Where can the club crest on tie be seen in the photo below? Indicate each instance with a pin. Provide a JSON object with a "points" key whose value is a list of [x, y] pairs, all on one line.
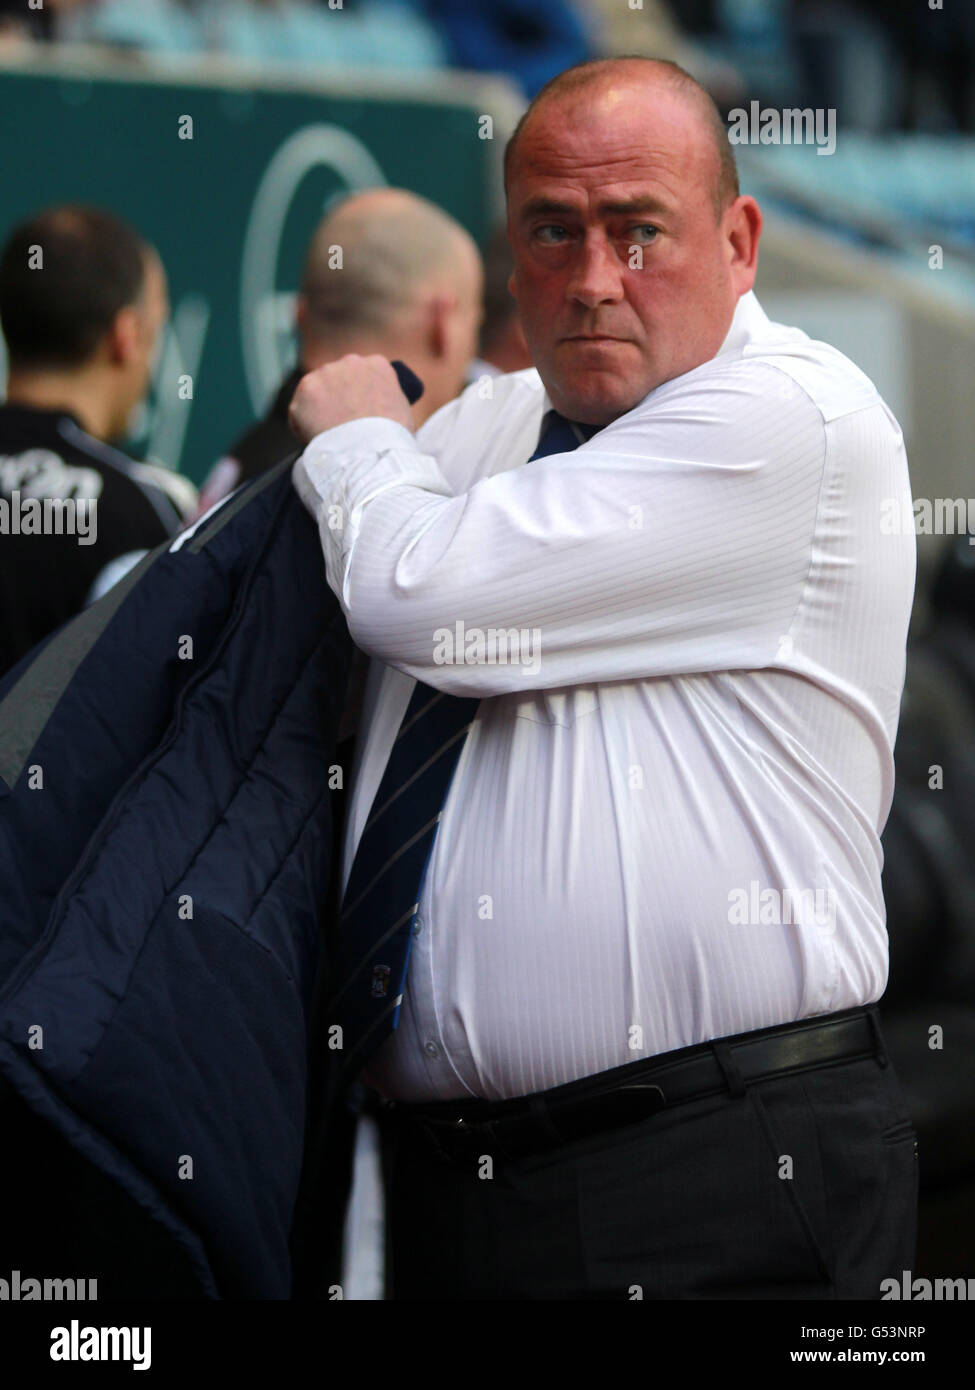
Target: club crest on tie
{"points": [[380, 981]]}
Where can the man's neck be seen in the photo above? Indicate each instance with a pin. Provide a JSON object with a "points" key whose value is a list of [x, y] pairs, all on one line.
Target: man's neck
{"points": [[76, 393]]}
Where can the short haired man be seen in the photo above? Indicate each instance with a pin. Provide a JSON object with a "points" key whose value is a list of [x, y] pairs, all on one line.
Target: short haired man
{"points": [[386, 271], [613, 875], [82, 302]]}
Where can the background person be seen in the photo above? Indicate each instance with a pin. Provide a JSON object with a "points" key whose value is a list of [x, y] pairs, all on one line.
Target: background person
{"points": [[82, 303], [409, 286], [502, 346]]}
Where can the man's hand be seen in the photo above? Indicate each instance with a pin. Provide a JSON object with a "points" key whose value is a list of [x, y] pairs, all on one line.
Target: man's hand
{"points": [[352, 388]]}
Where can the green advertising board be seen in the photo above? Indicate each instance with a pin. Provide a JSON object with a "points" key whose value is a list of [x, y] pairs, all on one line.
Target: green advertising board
{"points": [[227, 171]]}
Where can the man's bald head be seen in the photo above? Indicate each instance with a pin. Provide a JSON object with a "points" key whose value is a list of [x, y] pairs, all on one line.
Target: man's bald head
{"points": [[389, 272], [394, 245], [631, 247], [643, 73]]}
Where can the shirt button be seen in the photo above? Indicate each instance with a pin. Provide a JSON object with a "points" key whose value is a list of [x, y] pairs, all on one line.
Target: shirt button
{"points": [[417, 925], [431, 1049]]}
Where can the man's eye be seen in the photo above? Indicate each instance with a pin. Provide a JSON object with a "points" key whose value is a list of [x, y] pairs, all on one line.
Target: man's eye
{"points": [[551, 233], [646, 230]]}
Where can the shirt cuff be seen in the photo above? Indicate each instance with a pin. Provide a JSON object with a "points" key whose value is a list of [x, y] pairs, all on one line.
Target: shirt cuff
{"points": [[376, 432], [350, 463]]}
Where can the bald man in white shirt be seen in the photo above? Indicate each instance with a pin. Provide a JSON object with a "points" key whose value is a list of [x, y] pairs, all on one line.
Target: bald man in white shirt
{"points": [[624, 1029]]}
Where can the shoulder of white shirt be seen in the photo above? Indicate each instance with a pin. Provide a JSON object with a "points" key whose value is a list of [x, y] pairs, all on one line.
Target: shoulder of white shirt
{"points": [[830, 381], [755, 344], [833, 383]]}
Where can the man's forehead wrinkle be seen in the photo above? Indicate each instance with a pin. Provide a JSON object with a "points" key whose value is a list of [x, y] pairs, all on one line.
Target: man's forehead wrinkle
{"points": [[639, 159], [642, 153], [650, 181]]}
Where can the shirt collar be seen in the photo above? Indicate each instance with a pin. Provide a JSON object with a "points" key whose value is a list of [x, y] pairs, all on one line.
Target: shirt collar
{"points": [[38, 414], [748, 322]]}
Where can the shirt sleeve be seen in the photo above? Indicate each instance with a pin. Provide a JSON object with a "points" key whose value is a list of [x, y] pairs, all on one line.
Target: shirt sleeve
{"points": [[678, 539]]}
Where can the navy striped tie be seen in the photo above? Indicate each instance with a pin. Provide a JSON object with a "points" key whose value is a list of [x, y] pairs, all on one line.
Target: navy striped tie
{"points": [[382, 896]]}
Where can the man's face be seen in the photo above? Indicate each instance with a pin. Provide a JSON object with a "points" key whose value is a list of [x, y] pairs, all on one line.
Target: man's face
{"points": [[624, 275]]}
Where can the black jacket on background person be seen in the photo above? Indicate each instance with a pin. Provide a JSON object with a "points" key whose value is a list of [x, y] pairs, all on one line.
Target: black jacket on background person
{"points": [[47, 575], [269, 440], [260, 446]]}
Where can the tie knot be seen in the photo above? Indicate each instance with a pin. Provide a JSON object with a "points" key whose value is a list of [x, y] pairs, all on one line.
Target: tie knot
{"points": [[587, 431], [560, 435]]}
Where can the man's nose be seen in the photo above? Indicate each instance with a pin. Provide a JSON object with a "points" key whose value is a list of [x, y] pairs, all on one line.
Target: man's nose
{"points": [[597, 276]]}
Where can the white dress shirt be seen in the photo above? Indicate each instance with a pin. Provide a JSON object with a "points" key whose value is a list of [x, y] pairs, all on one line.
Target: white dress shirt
{"points": [[664, 823]]}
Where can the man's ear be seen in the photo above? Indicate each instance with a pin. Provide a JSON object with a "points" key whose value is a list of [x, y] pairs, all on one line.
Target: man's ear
{"points": [[743, 229], [124, 335], [440, 311]]}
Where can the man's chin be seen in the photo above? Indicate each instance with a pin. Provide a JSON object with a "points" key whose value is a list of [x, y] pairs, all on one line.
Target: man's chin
{"points": [[595, 405]]}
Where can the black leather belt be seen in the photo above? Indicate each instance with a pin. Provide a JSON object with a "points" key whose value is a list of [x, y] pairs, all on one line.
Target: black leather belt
{"points": [[460, 1130]]}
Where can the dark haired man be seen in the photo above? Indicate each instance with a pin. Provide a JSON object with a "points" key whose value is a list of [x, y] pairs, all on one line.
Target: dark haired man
{"points": [[82, 302]]}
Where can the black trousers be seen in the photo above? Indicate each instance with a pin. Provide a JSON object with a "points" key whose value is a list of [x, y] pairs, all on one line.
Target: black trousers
{"points": [[803, 1187]]}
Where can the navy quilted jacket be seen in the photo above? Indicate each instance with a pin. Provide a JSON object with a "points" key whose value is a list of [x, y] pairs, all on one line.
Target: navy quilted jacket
{"points": [[165, 853]]}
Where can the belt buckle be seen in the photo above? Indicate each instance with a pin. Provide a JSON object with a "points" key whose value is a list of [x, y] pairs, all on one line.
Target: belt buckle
{"points": [[647, 1086], [644, 1088], [602, 1115]]}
